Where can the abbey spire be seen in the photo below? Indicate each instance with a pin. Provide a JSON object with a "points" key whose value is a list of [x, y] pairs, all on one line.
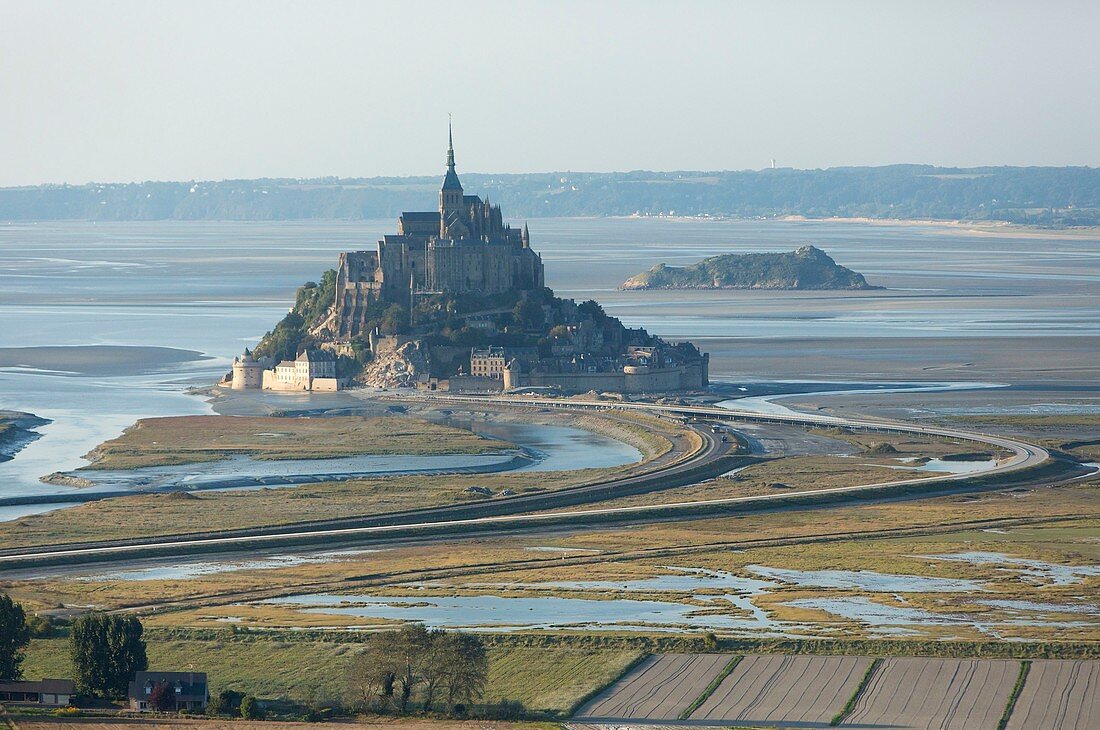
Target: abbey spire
{"points": [[451, 205]]}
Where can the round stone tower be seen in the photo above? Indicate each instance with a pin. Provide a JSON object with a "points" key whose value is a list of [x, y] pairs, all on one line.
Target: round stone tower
{"points": [[247, 372]]}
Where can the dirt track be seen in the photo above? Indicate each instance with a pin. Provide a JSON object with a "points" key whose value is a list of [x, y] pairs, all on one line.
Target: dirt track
{"points": [[807, 689], [659, 688], [945, 694], [1059, 694]]}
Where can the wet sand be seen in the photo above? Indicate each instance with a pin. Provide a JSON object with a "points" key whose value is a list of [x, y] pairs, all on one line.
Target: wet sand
{"points": [[1061, 360], [98, 360]]}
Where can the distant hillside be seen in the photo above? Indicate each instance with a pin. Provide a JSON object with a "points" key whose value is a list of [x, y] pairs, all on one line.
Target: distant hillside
{"points": [[806, 268], [1048, 196]]}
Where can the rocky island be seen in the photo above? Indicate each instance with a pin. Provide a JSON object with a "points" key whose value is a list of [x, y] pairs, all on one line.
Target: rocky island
{"points": [[805, 268], [456, 301]]}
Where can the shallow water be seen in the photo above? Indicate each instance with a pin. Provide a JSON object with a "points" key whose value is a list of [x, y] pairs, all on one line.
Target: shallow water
{"points": [[521, 613], [951, 466], [215, 287], [867, 611], [270, 471], [682, 580], [1037, 607], [559, 448], [1033, 570], [866, 580], [176, 570]]}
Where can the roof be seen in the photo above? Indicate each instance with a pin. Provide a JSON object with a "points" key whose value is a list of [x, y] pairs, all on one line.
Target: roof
{"points": [[47, 686], [421, 215], [450, 180], [315, 356]]}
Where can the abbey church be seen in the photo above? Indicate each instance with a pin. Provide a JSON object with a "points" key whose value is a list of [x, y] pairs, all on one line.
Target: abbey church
{"points": [[462, 247]]}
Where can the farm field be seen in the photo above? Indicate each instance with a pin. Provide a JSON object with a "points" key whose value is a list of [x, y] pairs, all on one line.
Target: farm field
{"points": [[543, 679], [659, 688], [802, 689], [1061, 694], [966, 694], [172, 723]]}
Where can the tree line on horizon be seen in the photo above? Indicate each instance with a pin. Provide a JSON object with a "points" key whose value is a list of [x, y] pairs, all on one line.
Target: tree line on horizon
{"points": [[1047, 196]]}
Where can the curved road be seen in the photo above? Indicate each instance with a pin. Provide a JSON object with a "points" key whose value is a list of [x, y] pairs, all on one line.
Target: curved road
{"points": [[711, 460]]}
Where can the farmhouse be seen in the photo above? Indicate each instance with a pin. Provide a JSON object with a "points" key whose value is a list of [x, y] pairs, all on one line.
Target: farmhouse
{"points": [[44, 692], [186, 690]]}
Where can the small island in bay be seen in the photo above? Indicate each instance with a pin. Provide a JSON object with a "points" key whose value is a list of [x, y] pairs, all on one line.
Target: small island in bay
{"points": [[805, 268]]}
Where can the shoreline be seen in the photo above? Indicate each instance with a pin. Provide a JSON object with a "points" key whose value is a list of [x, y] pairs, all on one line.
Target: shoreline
{"points": [[955, 225]]}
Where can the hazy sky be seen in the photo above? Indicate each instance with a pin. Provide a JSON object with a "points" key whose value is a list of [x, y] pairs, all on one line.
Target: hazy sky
{"points": [[178, 90]]}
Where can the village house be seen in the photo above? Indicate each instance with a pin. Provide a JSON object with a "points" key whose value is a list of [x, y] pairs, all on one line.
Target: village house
{"points": [[188, 690], [44, 692]]}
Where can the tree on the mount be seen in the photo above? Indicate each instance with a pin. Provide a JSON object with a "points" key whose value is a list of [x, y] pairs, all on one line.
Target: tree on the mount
{"points": [[106, 652], [14, 636]]}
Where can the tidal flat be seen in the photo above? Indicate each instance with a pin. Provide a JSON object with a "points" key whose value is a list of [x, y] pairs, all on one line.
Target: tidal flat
{"points": [[854, 572]]}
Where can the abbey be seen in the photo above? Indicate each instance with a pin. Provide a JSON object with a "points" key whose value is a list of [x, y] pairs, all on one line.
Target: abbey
{"points": [[462, 247]]}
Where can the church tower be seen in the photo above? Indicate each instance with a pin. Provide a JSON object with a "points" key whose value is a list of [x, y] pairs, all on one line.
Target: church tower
{"points": [[450, 195]]}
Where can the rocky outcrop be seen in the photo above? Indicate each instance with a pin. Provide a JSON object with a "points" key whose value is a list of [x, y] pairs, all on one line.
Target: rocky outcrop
{"points": [[806, 268], [399, 367]]}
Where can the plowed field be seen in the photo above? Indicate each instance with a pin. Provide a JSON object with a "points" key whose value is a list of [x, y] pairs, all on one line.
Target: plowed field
{"points": [[659, 688], [785, 689], [1059, 694], [962, 694]]}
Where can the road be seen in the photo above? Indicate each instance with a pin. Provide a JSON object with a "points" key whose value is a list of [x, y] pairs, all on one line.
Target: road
{"points": [[514, 512]]}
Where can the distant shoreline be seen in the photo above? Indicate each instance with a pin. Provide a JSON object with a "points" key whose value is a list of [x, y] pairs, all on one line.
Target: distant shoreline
{"points": [[962, 226]]}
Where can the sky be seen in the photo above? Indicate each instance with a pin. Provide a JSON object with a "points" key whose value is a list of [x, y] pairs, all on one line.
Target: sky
{"points": [[205, 90]]}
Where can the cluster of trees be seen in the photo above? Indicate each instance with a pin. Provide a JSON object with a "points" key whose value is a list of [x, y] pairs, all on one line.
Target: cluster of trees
{"points": [[14, 637], [1039, 195], [429, 667], [312, 301], [106, 649]]}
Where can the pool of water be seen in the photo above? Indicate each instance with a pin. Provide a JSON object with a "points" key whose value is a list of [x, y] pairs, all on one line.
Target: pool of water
{"points": [[1037, 607], [1036, 571], [245, 471], [558, 448], [681, 580], [866, 580], [176, 570], [498, 613], [879, 616], [952, 466]]}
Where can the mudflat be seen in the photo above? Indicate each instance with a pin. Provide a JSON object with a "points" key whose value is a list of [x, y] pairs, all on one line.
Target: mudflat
{"points": [[97, 359]]}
